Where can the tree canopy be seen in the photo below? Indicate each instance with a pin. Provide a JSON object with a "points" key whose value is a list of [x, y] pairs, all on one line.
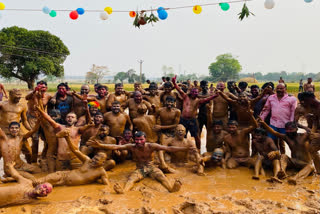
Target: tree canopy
{"points": [[96, 73], [26, 54], [130, 75], [226, 67]]}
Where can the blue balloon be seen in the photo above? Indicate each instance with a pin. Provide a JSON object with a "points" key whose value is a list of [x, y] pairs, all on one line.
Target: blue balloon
{"points": [[80, 11], [307, 1], [46, 10], [160, 9], [162, 14]]}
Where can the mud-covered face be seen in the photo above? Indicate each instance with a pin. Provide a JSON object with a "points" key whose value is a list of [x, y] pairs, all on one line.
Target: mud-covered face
{"points": [[309, 80], [259, 137], [14, 130], [291, 132], [98, 160], [167, 90], [217, 129], [84, 89], [169, 104], [232, 129], [217, 155], [71, 119], [62, 91], [153, 91], [255, 92], [137, 87], [16, 96], [115, 108], [104, 131], [194, 93], [119, 90], [281, 90], [102, 92], [243, 100], [221, 86], [204, 87], [93, 110], [138, 97], [127, 135], [42, 190], [140, 141], [180, 131], [98, 119], [43, 88]]}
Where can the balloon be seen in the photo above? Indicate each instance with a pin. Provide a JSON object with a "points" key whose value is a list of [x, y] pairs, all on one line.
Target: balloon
{"points": [[80, 11], [108, 10], [132, 14], [2, 6], [162, 14], [197, 9], [53, 13], [103, 16], [307, 1], [46, 10], [224, 6], [159, 9], [269, 4], [74, 15]]}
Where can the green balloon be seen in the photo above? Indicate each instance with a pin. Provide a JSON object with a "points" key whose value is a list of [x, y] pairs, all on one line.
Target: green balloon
{"points": [[224, 6], [53, 13]]}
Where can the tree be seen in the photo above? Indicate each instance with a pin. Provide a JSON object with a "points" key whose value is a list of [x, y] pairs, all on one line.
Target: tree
{"points": [[121, 76], [131, 75], [97, 73], [27, 54], [226, 67]]}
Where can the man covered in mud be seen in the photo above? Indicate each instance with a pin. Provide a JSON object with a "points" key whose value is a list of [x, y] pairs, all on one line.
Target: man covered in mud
{"points": [[215, 158], [238, 145], [191, 104], [122, 155], [117, 120], [202, 115], [102, 97], [90, 171], [168, 91], [23, 192], [309, 86], [181, 158], [143, 153], [300, 156], [78, 108], [153, 96], [119, 95]]}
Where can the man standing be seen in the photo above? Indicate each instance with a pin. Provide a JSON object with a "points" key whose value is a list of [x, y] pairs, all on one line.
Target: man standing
{"points": [[309, 86], [118, 95], [2, 92], [282, 108]]}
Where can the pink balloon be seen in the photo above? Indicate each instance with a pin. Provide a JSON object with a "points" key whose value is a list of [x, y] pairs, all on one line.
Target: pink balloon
{"points": [[74, 15]]}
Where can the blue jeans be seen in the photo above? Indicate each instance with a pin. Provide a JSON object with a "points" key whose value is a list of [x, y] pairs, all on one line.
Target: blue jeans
{"points": [[280, 130]]}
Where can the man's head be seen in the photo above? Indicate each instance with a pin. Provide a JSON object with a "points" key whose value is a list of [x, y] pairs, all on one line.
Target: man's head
{"points": [[204, 86], [102, 90], [118, 88], [94, 107], [103, 131], [98, 160], [195, 82], [243, 85], [137, 96], [42, 190], [291, 129], [217, 155], [116, 107], [98, 118], [309, 80], [306, 98], [127, 134], [85, 89], [148, 81], [168, 79], [55, 114], [254, 89], [42, 85], [163, 79], [180, 131], [137, 86], [62, 89], [194, 93], [15, 95], [14, 128], [221, 86], [71, 118], [232, 127], [140, 139], [167, 87], [268, 84], [153, 88], [96, 87], [231, 85], [170, 102], [259, 134], [243, 99], [281, 89], [217, 126]]}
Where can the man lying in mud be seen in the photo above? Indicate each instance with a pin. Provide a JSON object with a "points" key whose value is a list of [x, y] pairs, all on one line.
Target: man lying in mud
{"points": [[300, 156], [215, 158], [143, 153], [23, 192], [91, 170]]}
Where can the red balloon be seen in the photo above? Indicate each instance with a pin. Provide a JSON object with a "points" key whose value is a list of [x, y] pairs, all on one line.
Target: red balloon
{"points": [[74, 15], [132, 14]]}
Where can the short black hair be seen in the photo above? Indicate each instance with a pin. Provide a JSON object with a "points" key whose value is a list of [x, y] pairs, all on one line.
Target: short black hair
{"points": [[203, 82], [118, 85], [54, 113], [97, 85], [254, 86], [153, 85], [290, 124], [217, 122], [260, 131], [42, 82], [243, 85], [98, 113], [268, 84], [127, 130], [306, 95], [232, 122], [14, 123], [167, 85], [102, 86], [163, 78], [116, 102], [63, 84], [168, 78], [139, 134], [170, 98]]}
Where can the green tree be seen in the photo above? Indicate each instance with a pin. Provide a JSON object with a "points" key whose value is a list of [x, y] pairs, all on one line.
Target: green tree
{"points": [[96, 73], [121, 76], [226, 67], [27, 54], [131, 75]]}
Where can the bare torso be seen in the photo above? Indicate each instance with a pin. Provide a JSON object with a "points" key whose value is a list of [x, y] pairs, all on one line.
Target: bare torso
{"points": [[116, 122], [146, 123], [238, 144]]}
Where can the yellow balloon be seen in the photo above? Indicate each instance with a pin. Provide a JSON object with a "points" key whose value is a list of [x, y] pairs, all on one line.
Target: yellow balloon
{"points": [[2, 6], [108, 10], [197, 9]]}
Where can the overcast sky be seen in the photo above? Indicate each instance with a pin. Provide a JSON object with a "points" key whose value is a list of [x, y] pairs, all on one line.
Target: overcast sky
{"points": [[284, 38]]}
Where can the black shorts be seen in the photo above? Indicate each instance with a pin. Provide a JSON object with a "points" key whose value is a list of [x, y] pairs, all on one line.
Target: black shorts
{"points": [[190, 125]]}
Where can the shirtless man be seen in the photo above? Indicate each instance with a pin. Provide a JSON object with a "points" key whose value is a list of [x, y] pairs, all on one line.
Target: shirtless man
{"points": [[169, 118], [11, 145], [133, 104], [123, 140], [33, 100], [233, 89], [153, 96], [143, 153], [14, 111], [2, 92], [182, 157], [118, 95], [238, 145], [191, 104], [309, 86], [300, 156], [146, 123], [23, 192], [266, 153], [66, 159], [78, 107], [90, 171], [102, 97], [202, 116], [168, 91], [215, 158], [117, 120]]}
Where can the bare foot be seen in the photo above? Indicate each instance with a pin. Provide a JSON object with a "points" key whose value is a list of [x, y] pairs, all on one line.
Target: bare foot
{"points": [[117, 188], [176, 186], [292, 181], [254, 177], [168, 170], [8, 179], [274, 180], [282, 175]]}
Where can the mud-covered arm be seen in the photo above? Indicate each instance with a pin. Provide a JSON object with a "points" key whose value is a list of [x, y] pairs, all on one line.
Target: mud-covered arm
{"points": [[45, 116], [2, 135], [184, 95], [98, 145], [33, 130], [24, 119], [224, 96], [259, 97], [169, 148], [205, 100], [104, 178], [209, 116], [31, 94], [266, 109], [15, 174], [128, 122], [254, 123], [4, 91], [72, 147], [271, 131]]}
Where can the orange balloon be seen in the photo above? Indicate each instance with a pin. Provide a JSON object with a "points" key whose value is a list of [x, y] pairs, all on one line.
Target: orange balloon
{"points": [[132, 14]]}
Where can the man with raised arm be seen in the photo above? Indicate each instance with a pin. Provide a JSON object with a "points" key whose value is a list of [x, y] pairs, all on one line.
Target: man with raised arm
{"points": [[23, 192], [119, 95], [153, 96], [191, 104], [143, 153]]}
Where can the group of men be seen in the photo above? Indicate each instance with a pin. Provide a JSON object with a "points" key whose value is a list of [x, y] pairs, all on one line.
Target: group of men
{"points": [[86, 135]]}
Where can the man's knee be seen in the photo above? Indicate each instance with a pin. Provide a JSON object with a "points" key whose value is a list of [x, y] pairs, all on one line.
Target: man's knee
{"points": [[231, 163]]}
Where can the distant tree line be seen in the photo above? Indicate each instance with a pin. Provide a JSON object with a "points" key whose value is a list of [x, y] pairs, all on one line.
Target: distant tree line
{"points": [[288, 77]]}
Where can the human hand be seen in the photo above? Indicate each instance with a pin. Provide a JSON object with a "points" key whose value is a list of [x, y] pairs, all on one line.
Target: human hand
{"points": [[11, 164], [174, 79], [272, 155]]}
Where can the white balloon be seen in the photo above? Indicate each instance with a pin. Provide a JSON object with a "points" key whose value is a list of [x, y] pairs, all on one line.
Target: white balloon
{"points": [[269, 4], [104, 16]]}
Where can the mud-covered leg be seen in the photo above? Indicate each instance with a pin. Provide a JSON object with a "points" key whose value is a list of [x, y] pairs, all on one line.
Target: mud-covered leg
{"points": [[303, 173]]}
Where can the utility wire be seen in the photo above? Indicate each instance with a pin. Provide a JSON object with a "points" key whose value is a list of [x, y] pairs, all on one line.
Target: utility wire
{"points": [[30, 49]]}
